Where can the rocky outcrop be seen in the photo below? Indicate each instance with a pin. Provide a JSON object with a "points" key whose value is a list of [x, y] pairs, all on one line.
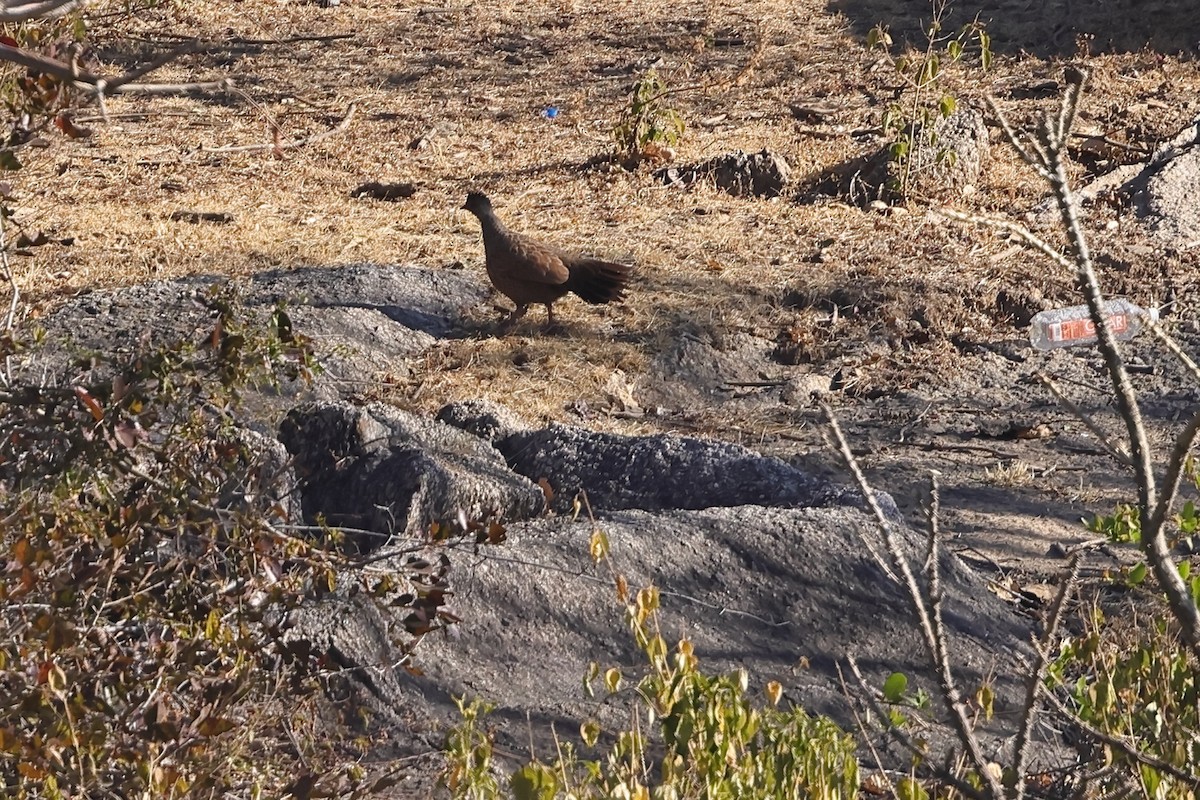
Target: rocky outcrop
{"points": [[763, 565]]}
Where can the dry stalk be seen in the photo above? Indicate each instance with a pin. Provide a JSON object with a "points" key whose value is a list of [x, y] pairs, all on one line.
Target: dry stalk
{"points": [[1045, 153], [929, 621], [1037, 674], [10, 317], [1115, 450], [280, 145], [862, 728]]}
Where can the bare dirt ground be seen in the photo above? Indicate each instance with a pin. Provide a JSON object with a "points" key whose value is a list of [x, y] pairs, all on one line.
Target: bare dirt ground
{"points": [[919, 320]]}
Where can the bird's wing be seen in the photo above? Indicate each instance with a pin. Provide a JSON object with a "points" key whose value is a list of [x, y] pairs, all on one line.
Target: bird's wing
{"points": [[532, 261]]}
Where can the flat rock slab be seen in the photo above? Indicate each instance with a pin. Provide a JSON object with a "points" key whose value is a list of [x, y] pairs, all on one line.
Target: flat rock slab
{"points": [[759, 588], [663, 472], [365, 320]]}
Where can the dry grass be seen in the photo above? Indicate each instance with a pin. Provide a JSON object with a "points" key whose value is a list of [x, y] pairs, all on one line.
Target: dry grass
{"points": [[478, 76]]}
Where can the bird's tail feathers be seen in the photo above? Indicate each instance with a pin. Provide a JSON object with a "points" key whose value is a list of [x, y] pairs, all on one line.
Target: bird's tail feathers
{"points": [[599, 281]]}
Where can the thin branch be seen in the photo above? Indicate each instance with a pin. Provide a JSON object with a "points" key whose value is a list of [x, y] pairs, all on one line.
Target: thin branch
{"points": [[1179, 455], [935, 645], [99, 87], [1018, 141], [1007, 225], [186, 48], [11, 317], [1115, 450], [869, 496], [162, 89], [316, 137], [906, 741], [1173, 347], [1037, 675], [1119, 743], [862, 728]]}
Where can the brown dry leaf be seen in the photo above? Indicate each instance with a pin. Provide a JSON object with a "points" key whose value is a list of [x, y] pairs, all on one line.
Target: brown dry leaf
{"points": [[90, 403], [65, 124]]}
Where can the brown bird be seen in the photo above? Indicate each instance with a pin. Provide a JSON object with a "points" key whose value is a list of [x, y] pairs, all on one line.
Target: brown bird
{"points": [[529, 272]]}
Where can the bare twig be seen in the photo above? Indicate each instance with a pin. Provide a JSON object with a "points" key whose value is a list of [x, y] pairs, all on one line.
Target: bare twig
{"points": [[1115, 450], [316, 137], [161, 89], [907, 742], [862, 728], [868, 495], [1037, 674], [933, 634], [1129, 749], [1179, 455], [113, 84], [11, 316], [100, 87], [1013, 228]]}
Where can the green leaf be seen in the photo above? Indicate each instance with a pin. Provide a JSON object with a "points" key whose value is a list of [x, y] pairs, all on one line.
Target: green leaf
{"points": [[908, 789], [590, 732], [930, 70], [534, 782], [895, 686], [1136, 575], [947, 106]]}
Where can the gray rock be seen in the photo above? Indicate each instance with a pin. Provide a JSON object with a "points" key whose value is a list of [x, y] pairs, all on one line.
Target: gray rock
{"points": [[944, 159], [663, 472], [1165, 191], [378, 469], [483, 418], [754, 588], [362, 319], [762, 174]]}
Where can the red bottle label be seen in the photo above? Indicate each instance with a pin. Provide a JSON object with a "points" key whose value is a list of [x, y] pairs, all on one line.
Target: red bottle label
{"points": [[1080, 329]]}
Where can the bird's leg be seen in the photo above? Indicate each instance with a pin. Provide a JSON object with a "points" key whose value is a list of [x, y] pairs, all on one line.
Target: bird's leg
{"points": [[511, 318], [549, 316]]}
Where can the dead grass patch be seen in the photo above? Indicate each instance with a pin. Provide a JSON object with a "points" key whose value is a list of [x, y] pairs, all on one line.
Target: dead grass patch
{"points": [[471, 83]]}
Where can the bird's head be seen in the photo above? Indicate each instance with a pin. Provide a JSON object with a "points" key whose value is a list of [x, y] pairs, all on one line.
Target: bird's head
{"points": [[478, 203]]}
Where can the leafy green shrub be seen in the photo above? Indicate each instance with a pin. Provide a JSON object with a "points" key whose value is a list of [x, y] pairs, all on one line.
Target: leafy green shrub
{"points": [[146, 565], [648, 125], [910, 123], [712, 740], [1142, 688]]}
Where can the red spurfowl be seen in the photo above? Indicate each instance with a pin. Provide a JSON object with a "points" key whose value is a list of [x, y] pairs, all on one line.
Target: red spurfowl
{"points": [[529, 272]]}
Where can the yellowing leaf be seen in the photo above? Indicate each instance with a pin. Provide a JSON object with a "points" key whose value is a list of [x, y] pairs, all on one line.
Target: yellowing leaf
{"points": [[590, 732], [599, 546]]}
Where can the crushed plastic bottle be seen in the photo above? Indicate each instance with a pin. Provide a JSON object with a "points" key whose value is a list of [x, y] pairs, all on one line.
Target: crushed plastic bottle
{"points": [[1067, 327]]}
